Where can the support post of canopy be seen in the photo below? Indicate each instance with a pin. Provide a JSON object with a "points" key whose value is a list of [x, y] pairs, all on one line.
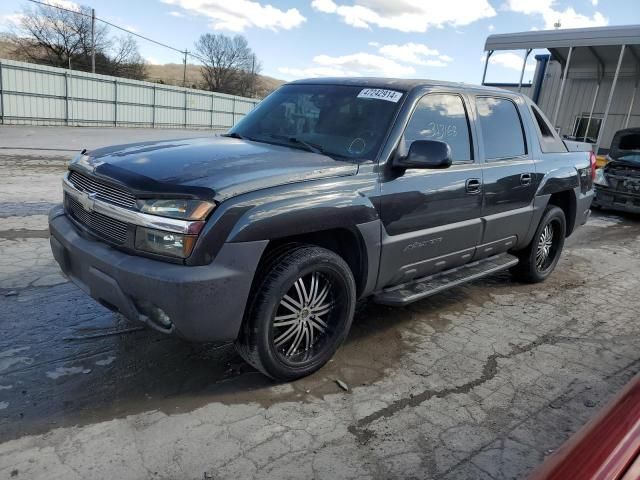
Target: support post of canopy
{"points": [[593, 105], [524, 64], [610, 99], [564, 78], [486, 64], [601, 71], [633, 100]]}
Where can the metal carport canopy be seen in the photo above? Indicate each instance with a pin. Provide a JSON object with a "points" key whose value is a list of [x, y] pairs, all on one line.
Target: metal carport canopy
{"points": [[575, 37], [598, 48]]}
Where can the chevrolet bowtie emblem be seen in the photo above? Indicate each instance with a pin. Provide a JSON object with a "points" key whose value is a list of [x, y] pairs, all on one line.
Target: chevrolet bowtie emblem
{"points": [[87, 200]]}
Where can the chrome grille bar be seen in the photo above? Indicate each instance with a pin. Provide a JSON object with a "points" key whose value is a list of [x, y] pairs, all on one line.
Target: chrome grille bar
{"points": [[103, 191], [109, 228], [129, 216]]}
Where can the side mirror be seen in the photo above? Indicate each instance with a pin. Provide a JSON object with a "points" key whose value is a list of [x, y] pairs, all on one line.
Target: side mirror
{"points": [[426, 154]]}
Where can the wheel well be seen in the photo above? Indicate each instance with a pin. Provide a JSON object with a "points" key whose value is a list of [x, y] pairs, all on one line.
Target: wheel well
{"points": [[567, 202], [344, 242]]}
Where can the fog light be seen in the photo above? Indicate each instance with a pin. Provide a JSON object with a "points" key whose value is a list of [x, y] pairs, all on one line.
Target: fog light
{"points": [[164, 243], [155, 314]]}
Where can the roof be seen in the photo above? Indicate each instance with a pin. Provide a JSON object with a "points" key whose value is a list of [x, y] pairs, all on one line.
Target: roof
{"points": [[598, 45], [570, 37], [402, 84]]}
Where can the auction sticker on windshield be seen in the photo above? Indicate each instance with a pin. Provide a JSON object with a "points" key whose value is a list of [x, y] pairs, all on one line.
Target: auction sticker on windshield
{"points": [[380, 94]]}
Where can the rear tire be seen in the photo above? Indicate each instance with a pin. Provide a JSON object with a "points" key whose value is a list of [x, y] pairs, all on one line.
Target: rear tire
{"points": [[541, 256], [301, 310]]}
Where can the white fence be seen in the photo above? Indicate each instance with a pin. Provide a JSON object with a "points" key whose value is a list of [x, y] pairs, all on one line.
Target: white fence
{"points": [[38, 95]]}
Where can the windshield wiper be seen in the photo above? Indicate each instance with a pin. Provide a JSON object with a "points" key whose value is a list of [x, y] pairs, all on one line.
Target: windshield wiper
{"points": [[312, 147], [234, 135]]}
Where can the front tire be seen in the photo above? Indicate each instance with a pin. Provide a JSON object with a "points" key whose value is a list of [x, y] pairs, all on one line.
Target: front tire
{"points": [[302, 309], [541, 256]]}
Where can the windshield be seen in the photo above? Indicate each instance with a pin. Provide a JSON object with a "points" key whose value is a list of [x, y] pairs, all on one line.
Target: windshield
{"points": [[337, 120], [631, 158]]}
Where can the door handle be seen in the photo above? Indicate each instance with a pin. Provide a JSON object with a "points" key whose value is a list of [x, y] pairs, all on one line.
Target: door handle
{"points": [[525, 179], [472, 185]]}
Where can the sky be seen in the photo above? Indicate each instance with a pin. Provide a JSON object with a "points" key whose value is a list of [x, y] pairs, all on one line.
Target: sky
{"points": [[437, 39]]}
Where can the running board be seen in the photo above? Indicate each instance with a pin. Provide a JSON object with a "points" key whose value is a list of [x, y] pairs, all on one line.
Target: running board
{"points": [[427, 286]]}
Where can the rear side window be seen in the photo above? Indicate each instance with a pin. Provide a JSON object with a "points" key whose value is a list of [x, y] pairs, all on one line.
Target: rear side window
{"points": [[441, 117], [550, 142], [501, 128]]}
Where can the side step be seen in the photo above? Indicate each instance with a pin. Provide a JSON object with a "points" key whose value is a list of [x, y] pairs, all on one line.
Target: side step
{"points": [[426, 286]]}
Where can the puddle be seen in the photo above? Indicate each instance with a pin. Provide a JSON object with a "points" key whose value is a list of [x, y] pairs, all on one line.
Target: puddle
{"points": [[64, 371], [105, 361]]}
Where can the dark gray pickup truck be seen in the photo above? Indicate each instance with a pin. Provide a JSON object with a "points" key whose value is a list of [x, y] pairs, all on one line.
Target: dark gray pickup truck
{"points": [[330, 191]]}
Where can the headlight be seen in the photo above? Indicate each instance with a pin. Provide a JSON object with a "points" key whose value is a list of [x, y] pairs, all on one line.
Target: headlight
{"points": [[164, 243], [184, 209], [600, 179]]}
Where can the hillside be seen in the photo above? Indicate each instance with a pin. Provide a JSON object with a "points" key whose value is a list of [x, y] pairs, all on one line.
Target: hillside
{"points": [[170, 73]]}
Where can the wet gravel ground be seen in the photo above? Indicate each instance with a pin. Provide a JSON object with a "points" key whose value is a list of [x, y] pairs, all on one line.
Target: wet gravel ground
{"points": [[480, 382]]}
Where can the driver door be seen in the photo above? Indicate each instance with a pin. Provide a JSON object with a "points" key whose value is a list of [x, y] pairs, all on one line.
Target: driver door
{"points": [[432, 218]]}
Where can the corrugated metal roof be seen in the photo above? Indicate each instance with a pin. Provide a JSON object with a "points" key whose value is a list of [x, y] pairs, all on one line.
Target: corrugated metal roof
{"points": [[565, 38]]}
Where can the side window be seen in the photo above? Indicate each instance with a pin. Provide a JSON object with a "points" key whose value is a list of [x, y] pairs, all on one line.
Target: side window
{"points": [[441, 117], [550, 142], [501, 128]]}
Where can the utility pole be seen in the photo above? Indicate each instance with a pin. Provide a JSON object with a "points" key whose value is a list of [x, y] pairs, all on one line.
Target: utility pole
{"points": [[184, 71], [93, 40], [253, 75]]}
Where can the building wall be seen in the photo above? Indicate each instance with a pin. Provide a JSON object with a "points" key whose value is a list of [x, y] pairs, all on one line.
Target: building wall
{"points": [[39, 95], [578, 95]]}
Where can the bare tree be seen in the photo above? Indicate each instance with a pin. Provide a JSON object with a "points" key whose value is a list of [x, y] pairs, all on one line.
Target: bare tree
{"points": [[229, 65], [62, 38]]}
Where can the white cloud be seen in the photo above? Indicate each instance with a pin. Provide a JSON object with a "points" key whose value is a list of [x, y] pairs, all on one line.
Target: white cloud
{"points": [[175, 13], [568, 17], [366, 63], [313, 72], [510, 60], [326, 6], [407, 15], [64, 4], [352, 65], [238, 15], [11, 19], [389, 61], [152, 61], [594, 3], [491, 27], [409, 52]]}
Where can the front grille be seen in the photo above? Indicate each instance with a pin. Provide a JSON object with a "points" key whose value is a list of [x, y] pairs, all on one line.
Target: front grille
{"points": [[104, 191], [107, 227]]}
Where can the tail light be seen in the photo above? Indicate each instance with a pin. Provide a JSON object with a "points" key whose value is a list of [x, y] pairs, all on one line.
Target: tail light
{"points": [[593, 160]]}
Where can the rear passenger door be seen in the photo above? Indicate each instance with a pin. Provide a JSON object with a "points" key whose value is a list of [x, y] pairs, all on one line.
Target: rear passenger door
{"points": [[508, 173]]}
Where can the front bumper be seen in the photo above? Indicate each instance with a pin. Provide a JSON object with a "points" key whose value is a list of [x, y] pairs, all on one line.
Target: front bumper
{"points": [[204, 303], [616, 200]]}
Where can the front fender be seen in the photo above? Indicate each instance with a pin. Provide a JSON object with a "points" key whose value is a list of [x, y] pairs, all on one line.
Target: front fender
{"points": [[306, 208]]}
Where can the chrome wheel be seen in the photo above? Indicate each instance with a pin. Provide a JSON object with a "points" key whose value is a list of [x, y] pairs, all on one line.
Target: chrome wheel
{"points": [[303, 318], [545, 245]]}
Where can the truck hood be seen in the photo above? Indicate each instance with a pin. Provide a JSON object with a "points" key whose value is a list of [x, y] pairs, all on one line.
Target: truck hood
{"points": [[224, 166]]}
